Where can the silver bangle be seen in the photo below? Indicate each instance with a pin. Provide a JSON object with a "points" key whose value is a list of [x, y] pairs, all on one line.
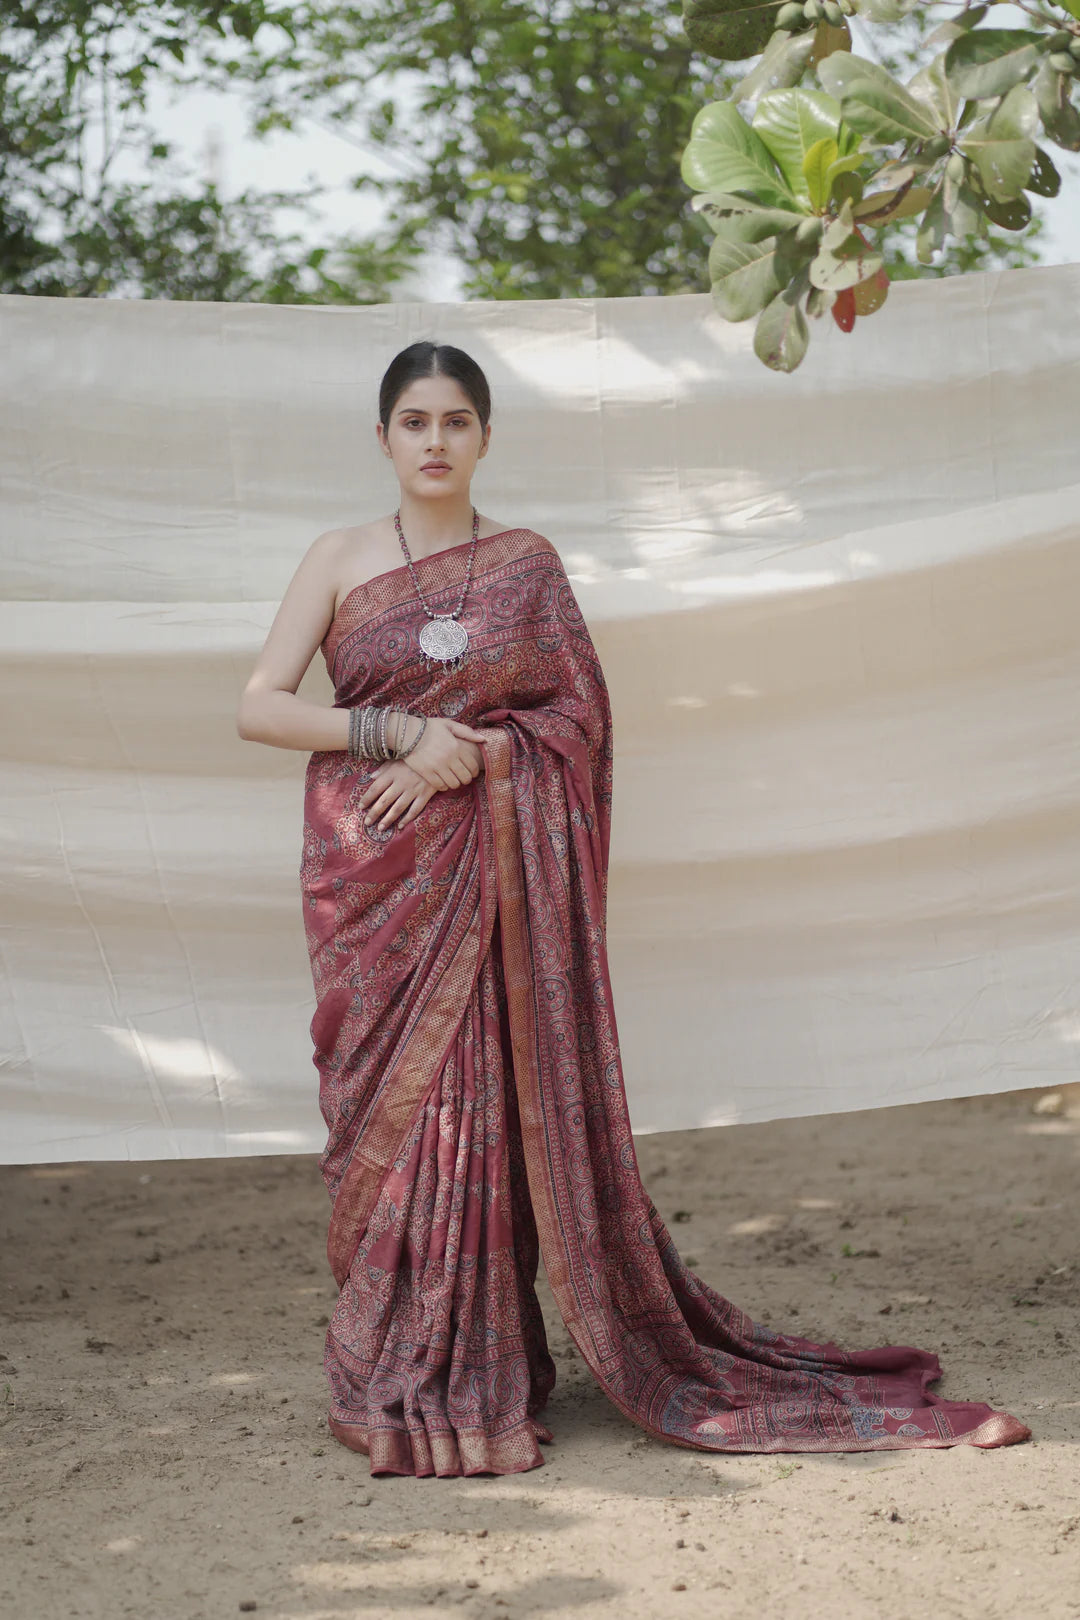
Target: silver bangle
{"points": [[355, 718], [405, 752]]}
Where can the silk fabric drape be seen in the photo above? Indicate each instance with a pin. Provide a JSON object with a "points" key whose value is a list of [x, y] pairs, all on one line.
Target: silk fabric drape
{"points": [[444, 1068]]}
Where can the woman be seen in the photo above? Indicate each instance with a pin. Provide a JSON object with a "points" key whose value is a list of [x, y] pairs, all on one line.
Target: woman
{"points": [[454, 874]]}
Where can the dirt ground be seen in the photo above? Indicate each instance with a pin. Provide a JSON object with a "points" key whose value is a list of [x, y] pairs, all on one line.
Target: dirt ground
{"points": [[163, 1450]]}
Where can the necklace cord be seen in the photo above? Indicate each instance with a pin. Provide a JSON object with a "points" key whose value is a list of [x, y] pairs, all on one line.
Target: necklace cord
{"points": [[468, 572]]}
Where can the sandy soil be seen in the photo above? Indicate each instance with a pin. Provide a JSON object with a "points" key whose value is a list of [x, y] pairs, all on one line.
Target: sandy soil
{"points": [[163, 1450]]}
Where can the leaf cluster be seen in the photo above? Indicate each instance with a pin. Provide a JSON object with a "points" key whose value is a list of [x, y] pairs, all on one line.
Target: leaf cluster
{"points": [[792, 189]]}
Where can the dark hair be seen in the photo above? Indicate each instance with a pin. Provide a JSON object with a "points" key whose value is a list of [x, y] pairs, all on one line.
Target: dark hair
{"points": [[427, 359]]}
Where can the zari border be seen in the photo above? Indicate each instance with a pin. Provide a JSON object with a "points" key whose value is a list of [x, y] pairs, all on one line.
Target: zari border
{"points": [[405, 1087], [519, 975], [446, 1454]]}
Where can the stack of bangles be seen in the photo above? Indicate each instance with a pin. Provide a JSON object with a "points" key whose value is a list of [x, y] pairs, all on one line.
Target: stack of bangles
{"points": [[369, 733]]}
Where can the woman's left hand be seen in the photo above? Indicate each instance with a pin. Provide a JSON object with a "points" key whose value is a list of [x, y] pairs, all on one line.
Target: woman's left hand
{"points": [[396, 791]]}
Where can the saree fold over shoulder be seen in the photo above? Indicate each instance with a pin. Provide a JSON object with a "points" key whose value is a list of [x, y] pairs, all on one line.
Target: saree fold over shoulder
{"points": [[472, 1087]]}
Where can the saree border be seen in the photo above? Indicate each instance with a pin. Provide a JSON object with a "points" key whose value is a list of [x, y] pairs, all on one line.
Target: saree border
{"points": [[447, 1453], [518, 973]]}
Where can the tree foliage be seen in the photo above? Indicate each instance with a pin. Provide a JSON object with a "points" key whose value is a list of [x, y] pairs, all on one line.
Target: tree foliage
{"points": [[539, 142], [793, 188], [543, 138], [74, 82]]}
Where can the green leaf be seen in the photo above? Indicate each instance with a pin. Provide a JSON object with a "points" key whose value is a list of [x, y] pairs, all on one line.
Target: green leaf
{"points": [[741, 219], [844, 165], [931, 233], [832, 270], [1002, 146], [782, 63], [845, 257], [817, 169], [792, 254], [965, 212], [872, 101], [989, 61], [1060, 118], [1012, 214], [790, 122], [782, 335], [849, 140], [846, 187], [932, 88], [729, 29], [743, 276], [1044, 178], [877, 207], [725, 154]]}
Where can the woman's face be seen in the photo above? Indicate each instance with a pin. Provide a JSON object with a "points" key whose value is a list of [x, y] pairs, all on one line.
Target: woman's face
{"points": [[435, 439]]}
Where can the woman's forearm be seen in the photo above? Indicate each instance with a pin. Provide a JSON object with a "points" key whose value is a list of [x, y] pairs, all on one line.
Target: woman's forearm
{"points": [[286, 721]]}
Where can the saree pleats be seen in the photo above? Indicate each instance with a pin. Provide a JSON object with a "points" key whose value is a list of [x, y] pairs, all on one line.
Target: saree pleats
{"points": [[472, 1085], [435, 1354]]}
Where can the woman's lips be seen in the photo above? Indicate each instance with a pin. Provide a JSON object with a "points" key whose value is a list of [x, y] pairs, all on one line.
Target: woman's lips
{"points": [[435, 472]]}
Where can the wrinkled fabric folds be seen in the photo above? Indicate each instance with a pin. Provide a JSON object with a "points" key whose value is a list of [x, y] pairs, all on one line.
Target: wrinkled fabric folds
{"points": [[471, 1082]]}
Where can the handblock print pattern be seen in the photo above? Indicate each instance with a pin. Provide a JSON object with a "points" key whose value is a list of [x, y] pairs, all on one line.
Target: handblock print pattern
{"points": [[472, 1085]]}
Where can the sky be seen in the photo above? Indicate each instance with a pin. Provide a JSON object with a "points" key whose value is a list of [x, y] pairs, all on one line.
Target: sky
{"points": [[210, 131]]}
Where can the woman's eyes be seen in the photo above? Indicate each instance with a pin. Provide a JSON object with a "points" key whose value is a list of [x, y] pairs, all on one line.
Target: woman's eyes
{"points": [[418, 421]]}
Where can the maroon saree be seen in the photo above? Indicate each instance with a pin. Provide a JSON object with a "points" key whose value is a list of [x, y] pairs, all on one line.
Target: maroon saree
{"points": [[472, 1088]]}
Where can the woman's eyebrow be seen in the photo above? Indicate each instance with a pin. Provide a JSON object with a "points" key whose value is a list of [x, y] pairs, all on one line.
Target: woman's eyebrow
{"points": [[459, 410]]}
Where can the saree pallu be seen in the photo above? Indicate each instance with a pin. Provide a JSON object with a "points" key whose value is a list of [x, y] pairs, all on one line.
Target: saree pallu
{"points": [[472, 1087]]}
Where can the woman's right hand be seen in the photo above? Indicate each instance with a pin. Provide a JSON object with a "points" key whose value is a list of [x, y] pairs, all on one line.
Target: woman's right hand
{"points": [[448, 755]]}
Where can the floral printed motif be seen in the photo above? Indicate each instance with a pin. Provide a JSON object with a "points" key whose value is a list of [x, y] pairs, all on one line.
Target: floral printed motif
{"points": [[471, 1082]]}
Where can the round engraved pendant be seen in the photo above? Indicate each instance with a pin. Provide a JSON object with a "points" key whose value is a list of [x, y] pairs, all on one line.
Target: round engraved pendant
{"points": [[443, 639]]}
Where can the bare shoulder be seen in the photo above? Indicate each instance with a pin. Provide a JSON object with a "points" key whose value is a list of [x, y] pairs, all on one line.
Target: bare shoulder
{"points": [[358, 552]]}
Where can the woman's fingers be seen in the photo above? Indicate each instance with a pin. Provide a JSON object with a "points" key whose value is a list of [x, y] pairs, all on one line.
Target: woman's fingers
{"points": [[378, 784], [415, 808], [379, 805], [460, 729], [395, 808]]}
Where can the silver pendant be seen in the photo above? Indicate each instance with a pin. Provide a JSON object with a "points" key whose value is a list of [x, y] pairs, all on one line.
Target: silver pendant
{"points": [[444, 639]]}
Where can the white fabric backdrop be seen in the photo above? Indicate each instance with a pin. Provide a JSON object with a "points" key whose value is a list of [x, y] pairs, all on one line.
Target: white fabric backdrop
{"points": [[837, 613]]}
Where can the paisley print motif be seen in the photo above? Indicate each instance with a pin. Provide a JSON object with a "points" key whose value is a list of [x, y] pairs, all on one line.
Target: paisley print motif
{"points": [[471, 1083]]}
